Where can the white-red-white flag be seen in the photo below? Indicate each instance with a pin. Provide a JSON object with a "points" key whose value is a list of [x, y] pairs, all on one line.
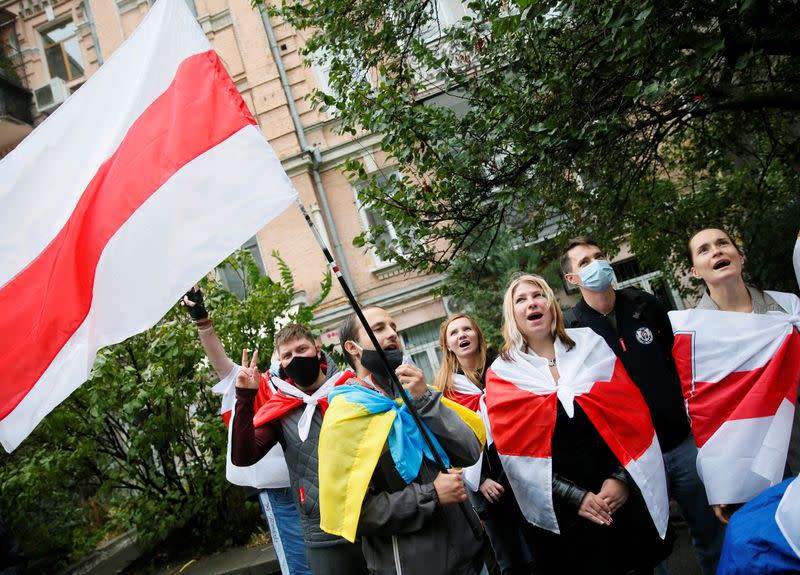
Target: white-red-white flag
{"points": [[268, 472], [466, 393], [739, 373], [522, 396], [142, 181]]}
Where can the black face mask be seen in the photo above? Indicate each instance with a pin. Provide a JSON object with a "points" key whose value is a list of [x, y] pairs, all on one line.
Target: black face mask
{"points": [[303, 370], [372, 361]]}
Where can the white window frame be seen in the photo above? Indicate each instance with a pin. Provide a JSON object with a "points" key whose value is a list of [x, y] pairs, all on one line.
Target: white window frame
{"points": [[644, 282], [380, 263]]}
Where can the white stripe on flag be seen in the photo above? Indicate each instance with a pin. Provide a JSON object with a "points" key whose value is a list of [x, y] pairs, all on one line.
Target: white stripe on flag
{"points": [[531, 480], [757, 462], [648, 473]]}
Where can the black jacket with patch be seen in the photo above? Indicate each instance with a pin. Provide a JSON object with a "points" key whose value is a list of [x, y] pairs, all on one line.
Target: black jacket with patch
{"points": [[643, 341]]}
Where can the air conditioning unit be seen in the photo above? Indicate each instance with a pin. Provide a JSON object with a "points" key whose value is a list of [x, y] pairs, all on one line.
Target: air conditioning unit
{"points": [[49, 96]]}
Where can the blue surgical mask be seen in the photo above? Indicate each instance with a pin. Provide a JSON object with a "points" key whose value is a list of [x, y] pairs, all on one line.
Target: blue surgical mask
{"points": [[275, 368], [597, 276]]}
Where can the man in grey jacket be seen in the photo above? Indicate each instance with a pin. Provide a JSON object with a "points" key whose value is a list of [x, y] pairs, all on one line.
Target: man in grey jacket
{"points": [[416, 527]]}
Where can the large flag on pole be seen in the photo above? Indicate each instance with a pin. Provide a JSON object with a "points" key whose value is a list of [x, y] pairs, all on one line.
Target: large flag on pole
{"points": [[739, 373], [146, 178], [522, 400]]}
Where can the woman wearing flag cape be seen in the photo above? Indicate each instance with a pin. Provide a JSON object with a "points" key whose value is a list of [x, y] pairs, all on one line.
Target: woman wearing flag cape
{"points": [[576, 440], [738, 356], [462, 378]]}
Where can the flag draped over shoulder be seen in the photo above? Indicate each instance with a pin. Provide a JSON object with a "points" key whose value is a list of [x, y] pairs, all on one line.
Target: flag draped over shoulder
{"points": [[739, 373], [357, 425], [268, 472], [142, 181], [468, 395], [522, 396]]}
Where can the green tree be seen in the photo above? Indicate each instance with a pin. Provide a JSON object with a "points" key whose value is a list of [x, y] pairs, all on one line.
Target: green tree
{"points": [[141, 444], [618, 118]]}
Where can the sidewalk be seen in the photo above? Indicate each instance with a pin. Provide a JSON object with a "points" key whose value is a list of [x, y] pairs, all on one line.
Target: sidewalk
{"points": [[259, 560]]}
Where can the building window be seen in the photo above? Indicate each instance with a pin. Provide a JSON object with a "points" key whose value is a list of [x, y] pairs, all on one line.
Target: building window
{"points": [[62, 52], [372, 220], [421, 342], [630, 274], [233, 279]]}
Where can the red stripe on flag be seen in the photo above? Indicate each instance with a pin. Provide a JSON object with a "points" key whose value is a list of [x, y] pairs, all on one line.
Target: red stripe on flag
{"points": [[746, 394], [522, 422], [618, 411], [470, 401], [682, 351], [43, 306]]}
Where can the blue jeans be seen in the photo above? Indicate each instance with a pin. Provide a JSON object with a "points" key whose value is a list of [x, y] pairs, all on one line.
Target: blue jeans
{"points": [[284, 526], [686, 488]]}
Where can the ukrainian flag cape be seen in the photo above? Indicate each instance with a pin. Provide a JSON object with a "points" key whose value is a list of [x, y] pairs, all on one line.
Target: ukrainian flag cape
{"points": [[358, 423]]}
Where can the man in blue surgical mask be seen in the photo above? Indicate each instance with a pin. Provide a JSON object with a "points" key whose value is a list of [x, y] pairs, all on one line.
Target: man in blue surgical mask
{"points": [[636, 326]]}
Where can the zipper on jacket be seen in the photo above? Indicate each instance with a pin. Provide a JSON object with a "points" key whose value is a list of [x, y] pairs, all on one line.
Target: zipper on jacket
{"points": [[396, 549]]}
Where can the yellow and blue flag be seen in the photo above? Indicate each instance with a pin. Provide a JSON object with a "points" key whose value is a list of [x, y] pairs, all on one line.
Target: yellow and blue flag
{"points": [[358, 423]]}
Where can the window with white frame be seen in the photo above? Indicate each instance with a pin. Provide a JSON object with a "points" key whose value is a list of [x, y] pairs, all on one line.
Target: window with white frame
{"points": [[421, 342], [233, 279], [629, 273], [62, 51], [372, 220]]}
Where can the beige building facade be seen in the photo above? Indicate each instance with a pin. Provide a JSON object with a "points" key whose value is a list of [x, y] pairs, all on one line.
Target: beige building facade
{"points": [[51, 47]]}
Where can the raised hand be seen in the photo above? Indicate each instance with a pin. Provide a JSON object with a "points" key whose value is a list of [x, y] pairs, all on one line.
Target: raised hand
{"points": [[412, 379], [193, 301], [249, 376]]}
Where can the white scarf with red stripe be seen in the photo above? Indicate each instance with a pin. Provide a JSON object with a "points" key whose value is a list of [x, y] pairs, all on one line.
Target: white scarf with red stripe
{"points": [[466, 393], [739, 373], [521, 398]]}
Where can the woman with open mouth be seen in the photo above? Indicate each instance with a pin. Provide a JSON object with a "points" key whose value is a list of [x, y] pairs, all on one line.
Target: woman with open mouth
{"points": [[462, 378], [577, 442], [717, 260]]}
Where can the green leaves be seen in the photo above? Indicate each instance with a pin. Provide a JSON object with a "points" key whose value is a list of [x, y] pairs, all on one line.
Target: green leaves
{"points": [[582, 109]]}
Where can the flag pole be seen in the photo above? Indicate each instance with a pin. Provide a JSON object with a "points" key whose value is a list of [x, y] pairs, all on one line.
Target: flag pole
{"points": [[470, 517]]}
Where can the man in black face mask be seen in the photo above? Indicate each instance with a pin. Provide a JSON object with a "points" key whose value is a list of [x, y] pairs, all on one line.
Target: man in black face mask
{"points": [[290, 412], [413, 527]]}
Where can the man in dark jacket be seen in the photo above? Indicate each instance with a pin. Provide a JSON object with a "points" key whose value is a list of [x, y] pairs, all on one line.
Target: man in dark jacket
{"points": [[636, 326], [416, 527]]}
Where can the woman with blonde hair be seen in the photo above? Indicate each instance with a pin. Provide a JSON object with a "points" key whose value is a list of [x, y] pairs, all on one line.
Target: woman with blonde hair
{"points": [[461, 377], [575, 438]]}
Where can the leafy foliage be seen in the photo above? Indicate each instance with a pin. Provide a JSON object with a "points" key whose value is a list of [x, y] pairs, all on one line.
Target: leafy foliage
{"points": [[617, 118], [477, 288], [141, 444]]}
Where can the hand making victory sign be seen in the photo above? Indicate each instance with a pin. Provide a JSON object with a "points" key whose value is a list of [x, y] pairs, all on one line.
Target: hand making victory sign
{"points": [[249, 376]]}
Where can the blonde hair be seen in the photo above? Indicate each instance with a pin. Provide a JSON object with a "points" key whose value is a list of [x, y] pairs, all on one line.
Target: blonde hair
{"points": [[512, 337], [450, 364]]}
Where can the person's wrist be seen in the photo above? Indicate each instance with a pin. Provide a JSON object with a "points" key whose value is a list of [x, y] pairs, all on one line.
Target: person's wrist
{"points": [[204, 325]]}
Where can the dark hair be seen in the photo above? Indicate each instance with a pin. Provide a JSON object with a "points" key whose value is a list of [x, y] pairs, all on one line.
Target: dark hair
{"points": [[348, 331], [690, 255], [293, 331], [566, 264]]}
